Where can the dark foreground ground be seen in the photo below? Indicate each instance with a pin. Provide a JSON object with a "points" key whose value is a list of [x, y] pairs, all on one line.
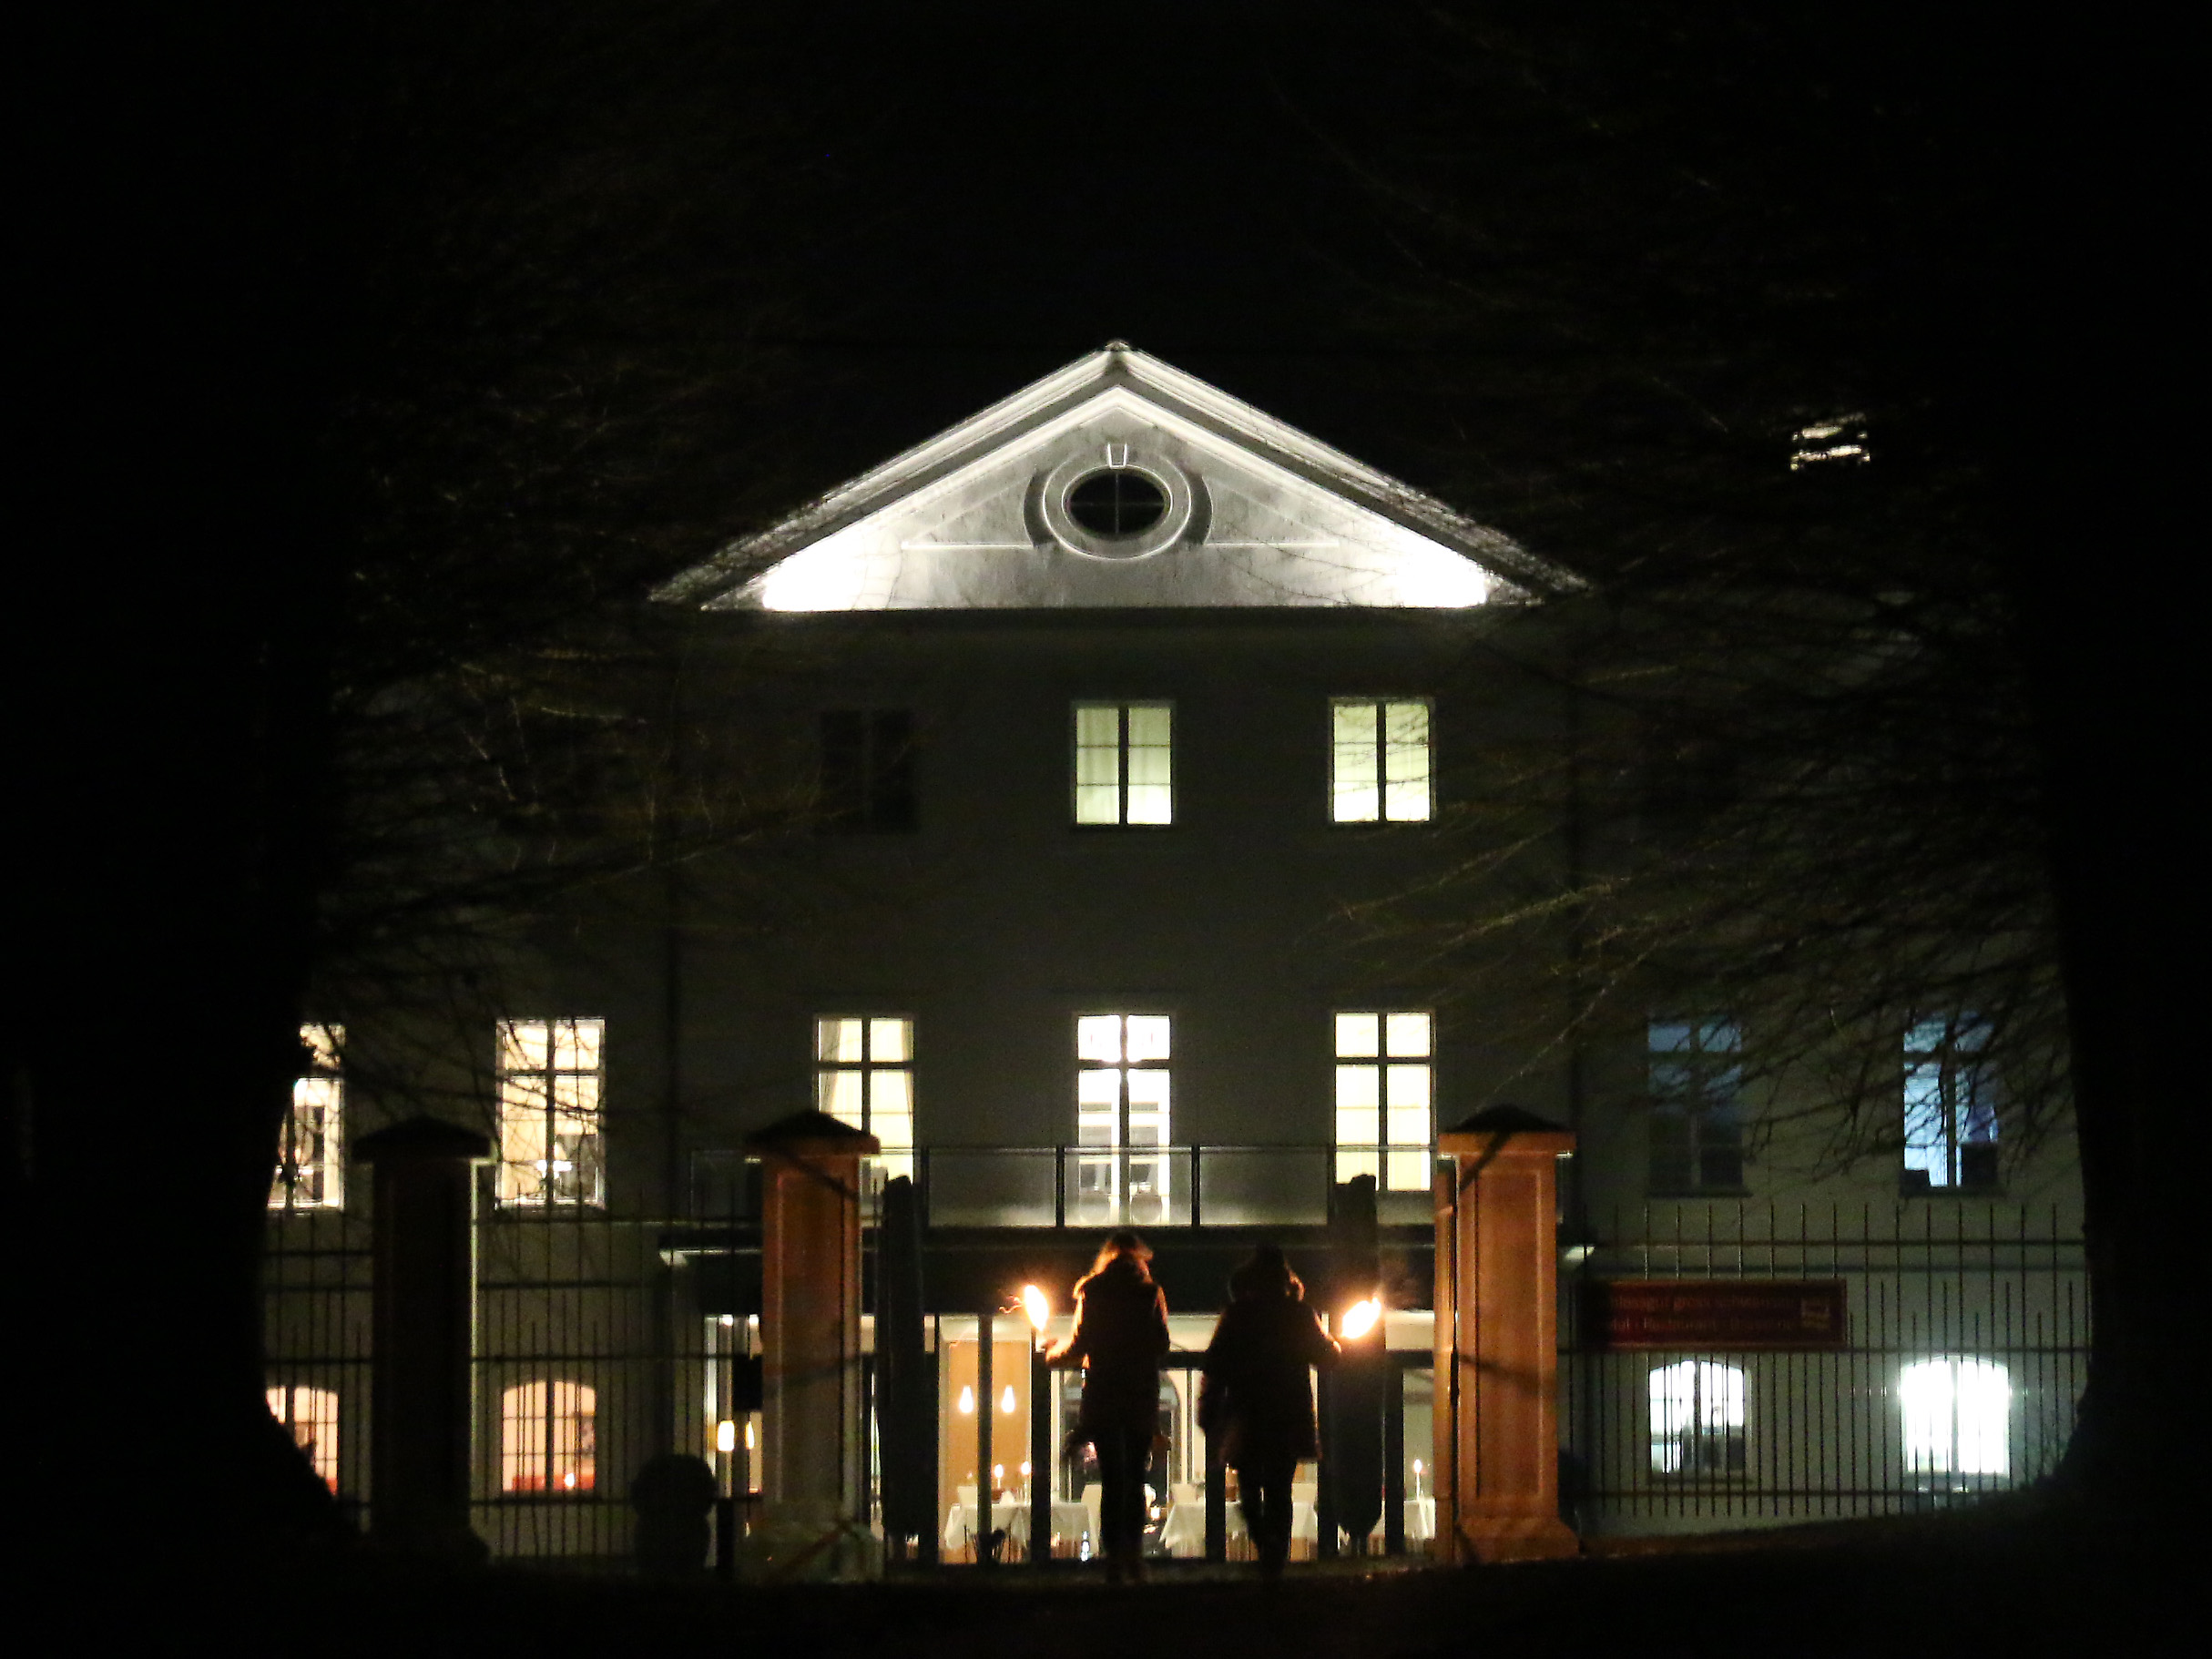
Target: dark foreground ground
{"points": [[2014, 1581]]}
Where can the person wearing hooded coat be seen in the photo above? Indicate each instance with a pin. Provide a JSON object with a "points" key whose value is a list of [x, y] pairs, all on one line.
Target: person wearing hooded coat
{"points": [[1121, 1331], [1255, 1400]]}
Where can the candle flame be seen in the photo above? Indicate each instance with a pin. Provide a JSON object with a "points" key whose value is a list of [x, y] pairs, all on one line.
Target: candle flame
{"points": [[1360, 1318], [1036, 1306]]}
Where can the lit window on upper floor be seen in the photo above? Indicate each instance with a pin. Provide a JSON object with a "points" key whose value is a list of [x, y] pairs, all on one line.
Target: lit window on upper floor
{"points": [[864, 1077], [868, 770], [311, 1416], [1123, 763], [551, 1089], [1384, 1099], [310, 1171], [1950, 1106], [1379, 761], [1957, 1417], [1696, 1069], [548, 1437], [1122, 1114], [1696, 1418]]}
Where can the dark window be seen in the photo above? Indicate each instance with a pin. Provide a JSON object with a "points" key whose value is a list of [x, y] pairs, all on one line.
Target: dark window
{"points": [[868, 769], [1116, 503], [1697, 1129]]}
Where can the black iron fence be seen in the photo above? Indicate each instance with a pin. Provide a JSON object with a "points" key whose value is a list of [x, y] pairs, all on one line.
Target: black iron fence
{"points": [[1943, 1354], [1940, 1352]]}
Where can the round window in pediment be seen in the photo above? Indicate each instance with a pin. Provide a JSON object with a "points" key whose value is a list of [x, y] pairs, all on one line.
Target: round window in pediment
{"points": [[1116, 503]]}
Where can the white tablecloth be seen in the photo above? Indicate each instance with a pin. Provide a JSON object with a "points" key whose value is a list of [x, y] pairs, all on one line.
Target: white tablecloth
{"points": [[961, 1523]]}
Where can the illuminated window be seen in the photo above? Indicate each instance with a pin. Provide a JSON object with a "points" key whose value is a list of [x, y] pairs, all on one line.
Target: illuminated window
{"points": [[864, 1075], [550, 1073], [1122, 771], [1122, 1105], [1951, 1105], [1958, 1415], [1696, 1418], [311, 1415], [1379, 760], [1839, 441], [547, 1439], [1384, 1094], [310, 1174], [868, 769], [1697, 1130]]}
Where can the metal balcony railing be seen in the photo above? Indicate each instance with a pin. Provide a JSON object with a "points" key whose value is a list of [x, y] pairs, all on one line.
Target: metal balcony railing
{"points": [[1097, 1187]]}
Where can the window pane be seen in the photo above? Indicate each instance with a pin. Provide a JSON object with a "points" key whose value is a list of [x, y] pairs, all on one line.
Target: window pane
{"points": [[1099, 1038], [889, 1041], [1408, 1126], [1408, 1085], [1099, 1090], [838, 1041], [1721, 1035], [1668, 1036], [576, 1044], [1097, 805], [1148, 1036], [1359, 1035], [1149, 1105], [1098, 726], [1149, 725], [1353, 1162], [1354, 797], [575, 1095], [1408, 1035], [1151, 804], [1359, 1088], [522, 1045], [1408, 1172], [323, 1042], [1406, 761], [1358, 1126], [839, 1093]]}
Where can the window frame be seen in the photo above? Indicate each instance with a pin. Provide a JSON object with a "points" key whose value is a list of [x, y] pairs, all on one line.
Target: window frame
{"points": [[1698, 1431], [1123, 708], [549, 1451], [1930, 1459], [881, 797], [1699, 1105], [1116, 1165], [1381, 707], [1391, 1158], [893, 1160], [550, 1114], [326, 1067], [1967, 1096]]}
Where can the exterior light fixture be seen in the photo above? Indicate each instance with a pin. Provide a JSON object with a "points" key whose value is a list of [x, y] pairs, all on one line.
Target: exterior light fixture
{"points": [[1360, 1318], [725, 1436]]}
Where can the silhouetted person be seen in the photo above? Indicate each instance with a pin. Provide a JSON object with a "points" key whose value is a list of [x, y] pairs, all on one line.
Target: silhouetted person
{"points": [[1121, 1331], [1256, 1401]]}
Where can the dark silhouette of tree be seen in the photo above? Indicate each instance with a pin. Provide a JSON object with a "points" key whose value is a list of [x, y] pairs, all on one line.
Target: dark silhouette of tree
{"points": [[1734, 306]]}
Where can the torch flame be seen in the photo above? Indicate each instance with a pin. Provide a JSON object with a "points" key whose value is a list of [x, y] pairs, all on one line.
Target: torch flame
{"points": [[1360, 1318], [1035, 1305]]}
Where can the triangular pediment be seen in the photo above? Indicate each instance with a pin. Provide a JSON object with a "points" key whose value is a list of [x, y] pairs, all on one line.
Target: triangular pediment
{"points": [[1227, 507]]}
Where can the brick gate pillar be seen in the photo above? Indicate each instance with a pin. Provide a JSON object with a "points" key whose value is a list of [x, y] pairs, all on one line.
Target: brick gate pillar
{"points": [[1497, 1345], [422, 1311], [814, 1510]]}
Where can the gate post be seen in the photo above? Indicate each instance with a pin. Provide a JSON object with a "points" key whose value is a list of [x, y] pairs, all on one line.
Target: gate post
{"points": [[1497, 1344], [814, 1520], [423, 1310]]}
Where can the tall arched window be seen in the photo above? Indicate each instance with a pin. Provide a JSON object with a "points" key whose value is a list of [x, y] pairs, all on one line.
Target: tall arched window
{"points": [[311, 1415], [547, 1442], [1696, 1418], [1958, 1417]]}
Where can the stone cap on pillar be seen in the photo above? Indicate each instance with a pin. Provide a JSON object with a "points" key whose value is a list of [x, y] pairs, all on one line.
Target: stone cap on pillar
{"points": [[814, 1135], [1498, 1129], [423, 1138]]}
